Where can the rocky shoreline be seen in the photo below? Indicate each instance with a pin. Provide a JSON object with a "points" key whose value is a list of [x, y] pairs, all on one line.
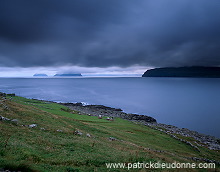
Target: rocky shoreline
{"points": [[181, 134], [96, 110], [189, 137], [197, 139]]}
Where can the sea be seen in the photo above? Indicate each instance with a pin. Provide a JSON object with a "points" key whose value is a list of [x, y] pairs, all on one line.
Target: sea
{"points": [[192, 103]]}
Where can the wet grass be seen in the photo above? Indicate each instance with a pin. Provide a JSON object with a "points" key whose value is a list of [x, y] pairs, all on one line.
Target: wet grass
{"points": [[53, 146]]}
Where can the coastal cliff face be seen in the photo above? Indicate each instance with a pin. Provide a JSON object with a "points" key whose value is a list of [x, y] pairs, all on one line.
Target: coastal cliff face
{"points": [[193, 72], [96, 110]]}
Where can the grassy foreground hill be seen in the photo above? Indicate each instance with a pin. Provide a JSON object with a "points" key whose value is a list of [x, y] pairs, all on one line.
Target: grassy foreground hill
{"points": [[64, 140]]}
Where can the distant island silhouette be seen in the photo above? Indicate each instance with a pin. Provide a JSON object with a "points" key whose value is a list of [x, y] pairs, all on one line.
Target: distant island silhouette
{"points": [[40, 74], [68, 74], [193, 72]]}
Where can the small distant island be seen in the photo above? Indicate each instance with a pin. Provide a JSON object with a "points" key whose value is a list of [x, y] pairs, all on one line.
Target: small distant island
{"points": [[68, 74], [40, 74], [193, 72]]}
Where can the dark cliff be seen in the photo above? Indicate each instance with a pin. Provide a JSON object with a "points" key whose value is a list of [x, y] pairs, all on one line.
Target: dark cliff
{"points": [[68, 75], [194, 72]]}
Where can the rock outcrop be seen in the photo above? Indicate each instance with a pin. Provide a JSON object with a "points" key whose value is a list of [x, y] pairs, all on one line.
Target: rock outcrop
{"points": [[96, 110], [210, 142]]}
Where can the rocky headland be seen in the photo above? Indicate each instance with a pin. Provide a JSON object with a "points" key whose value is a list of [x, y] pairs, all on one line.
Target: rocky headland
{"points": [[181, 134], [189, 72], [96, 110]]}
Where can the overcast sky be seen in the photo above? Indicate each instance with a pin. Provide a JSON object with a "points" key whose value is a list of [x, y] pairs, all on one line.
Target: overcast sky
{"points": [[101, 36]]}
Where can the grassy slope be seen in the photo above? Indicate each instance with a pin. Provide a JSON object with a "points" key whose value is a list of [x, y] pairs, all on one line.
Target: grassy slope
{"points": [[34, 149]]}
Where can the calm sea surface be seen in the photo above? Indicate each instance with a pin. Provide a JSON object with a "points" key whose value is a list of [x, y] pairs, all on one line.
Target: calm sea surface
{"points": [[184, 102]]}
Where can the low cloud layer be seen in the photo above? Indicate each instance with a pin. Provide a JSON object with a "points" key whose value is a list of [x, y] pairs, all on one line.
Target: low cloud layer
{"points": [[85, 71], [102, 33]]}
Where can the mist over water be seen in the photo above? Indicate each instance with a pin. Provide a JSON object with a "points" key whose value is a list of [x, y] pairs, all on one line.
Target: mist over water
{"points": [[184, 102]]}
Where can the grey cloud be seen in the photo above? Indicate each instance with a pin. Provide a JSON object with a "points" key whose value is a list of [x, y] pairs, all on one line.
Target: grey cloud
{"points": [[102, 33]]}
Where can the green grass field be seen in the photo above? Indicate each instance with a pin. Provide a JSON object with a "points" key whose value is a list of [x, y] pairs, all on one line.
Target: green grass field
{"points": [[53, 146]]}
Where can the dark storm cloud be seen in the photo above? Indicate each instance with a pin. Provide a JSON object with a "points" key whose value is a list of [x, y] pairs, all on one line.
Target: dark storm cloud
{"points": [[101, 33]]}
